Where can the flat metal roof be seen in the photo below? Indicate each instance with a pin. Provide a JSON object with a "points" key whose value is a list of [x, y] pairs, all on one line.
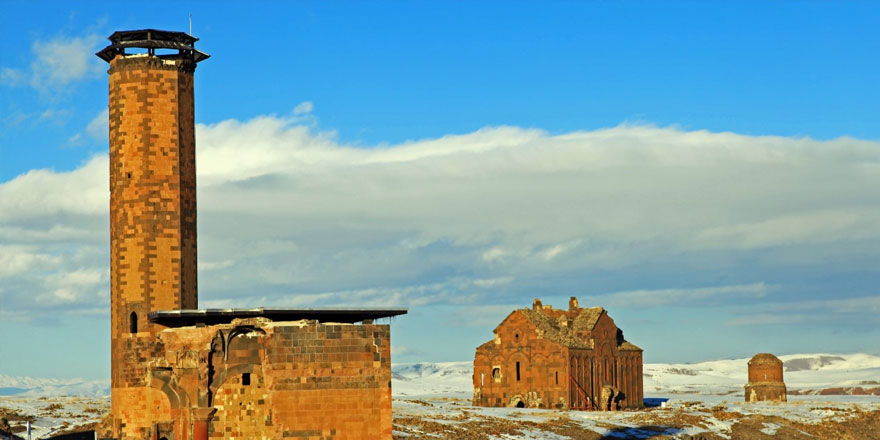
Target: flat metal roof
{"points": [[182, 318]]}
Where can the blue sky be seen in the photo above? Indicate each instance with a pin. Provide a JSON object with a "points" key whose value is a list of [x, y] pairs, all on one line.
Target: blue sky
{"points": [[707, 171]]}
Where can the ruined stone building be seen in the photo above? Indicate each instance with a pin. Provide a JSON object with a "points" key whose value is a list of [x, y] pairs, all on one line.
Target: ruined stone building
{"points": [[765, 379], [543, 357], [179, 373]]}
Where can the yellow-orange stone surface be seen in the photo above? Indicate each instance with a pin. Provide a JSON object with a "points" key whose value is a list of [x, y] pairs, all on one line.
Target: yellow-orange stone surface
{"points": [[245, 379], [551, 358], [765, 379]]}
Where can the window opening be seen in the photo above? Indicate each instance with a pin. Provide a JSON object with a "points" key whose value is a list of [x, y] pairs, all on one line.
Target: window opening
{"points": [[517, 371], [133, 322], [496, 374], [481, 379], [557, 378], [246, 379]]}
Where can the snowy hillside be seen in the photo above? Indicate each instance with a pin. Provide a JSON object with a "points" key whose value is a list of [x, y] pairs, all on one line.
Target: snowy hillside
{"points": [[422, 379], [31, 386], [804, 373]]}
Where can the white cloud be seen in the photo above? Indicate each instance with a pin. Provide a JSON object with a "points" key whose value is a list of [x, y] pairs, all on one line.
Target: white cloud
{"points": [[303, 108], [622, 184], [207, 266], [494, 254], [811, 227], [681, 297], [80, 286], [57, 63], [40, 194], [452, 291], [760, 319], [555, 250], [63, 60], [865, 304], [12, 77], [493, 282], [98, 127], [15, 260], [838, 311], [51, 113], [291, 217], [483, 316], [403, 350]]}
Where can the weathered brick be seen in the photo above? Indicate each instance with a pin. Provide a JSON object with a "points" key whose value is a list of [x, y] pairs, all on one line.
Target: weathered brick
{"points": [[765, 379], [552, 358], [253, 380]]}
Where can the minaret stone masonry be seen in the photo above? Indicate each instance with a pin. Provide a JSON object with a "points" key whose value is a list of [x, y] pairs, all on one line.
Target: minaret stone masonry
{"points": [[152, 189]]}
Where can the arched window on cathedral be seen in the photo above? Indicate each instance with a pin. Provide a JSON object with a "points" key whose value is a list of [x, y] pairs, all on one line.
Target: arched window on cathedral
{"points": [[133, 322]]}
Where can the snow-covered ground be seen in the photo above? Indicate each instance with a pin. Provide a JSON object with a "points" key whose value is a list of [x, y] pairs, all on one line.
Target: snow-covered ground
{"points": [[52, 414], [704, 397], [702, 400], [802, 373], [450, 418], [451, 379], [720, 378]]}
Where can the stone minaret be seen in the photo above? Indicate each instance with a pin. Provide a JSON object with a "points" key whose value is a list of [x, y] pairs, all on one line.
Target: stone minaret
{"points": [[152, 196]]}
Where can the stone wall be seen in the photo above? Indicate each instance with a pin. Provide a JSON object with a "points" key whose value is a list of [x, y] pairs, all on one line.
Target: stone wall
{"points": [[251, 378], [332, 381], [258, 379], [765, 379], [152, 221], [152, 189], [523, 365], [542, 379]]}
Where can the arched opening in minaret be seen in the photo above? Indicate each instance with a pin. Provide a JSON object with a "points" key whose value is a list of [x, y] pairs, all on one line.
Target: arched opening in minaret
{"points": [[133, 322]]}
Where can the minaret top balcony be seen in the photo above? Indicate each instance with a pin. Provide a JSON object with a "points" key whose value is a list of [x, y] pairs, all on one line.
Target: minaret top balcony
{"points": [[151, 40]]}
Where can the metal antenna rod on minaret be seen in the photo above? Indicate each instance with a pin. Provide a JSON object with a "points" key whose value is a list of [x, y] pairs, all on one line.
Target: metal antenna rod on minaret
{"points": [[190, 24]]}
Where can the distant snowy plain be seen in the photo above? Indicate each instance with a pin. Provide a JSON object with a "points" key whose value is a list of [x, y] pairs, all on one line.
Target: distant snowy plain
{"points": [[703, 400], [804, 373], [440, 393]]}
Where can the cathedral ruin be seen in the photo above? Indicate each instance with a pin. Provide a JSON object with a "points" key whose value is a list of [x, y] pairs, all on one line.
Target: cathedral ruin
{"points": [[543, 357], [180, 373]]}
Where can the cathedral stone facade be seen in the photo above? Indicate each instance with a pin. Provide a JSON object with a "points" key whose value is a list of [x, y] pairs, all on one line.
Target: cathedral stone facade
{"points": [[179, 373], [543, 357]]}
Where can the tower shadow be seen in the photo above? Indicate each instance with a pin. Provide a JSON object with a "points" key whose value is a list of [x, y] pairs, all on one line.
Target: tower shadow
{"points": [[641, 432]]}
